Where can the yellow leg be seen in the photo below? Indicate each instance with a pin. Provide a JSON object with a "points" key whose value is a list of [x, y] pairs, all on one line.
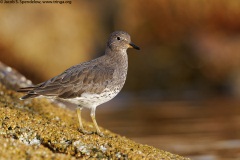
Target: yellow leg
{"points": [[80, 118], [95, 122], [81, 129]]}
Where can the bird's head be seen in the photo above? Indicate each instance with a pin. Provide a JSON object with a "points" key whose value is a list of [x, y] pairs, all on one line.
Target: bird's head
{"points": [[120, 40]]}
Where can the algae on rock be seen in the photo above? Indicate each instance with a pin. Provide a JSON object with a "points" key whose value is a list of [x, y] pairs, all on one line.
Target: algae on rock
{"points": [[39, 129]]}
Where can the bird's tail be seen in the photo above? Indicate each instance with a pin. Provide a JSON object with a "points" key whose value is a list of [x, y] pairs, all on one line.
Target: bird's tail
{"points": [[29, 96], [25, 89], [29, 91]]}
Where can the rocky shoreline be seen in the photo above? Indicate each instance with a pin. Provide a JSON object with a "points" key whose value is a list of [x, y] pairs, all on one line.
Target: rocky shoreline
{"points": [[40, 129]]}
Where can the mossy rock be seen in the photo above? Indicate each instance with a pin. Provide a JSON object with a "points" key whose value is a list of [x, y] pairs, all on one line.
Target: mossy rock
{"points": [[40, 129]]}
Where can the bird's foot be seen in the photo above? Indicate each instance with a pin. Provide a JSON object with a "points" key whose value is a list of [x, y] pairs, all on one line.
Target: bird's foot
{"points": [[100, 134], [89, 133], [84, 131]]}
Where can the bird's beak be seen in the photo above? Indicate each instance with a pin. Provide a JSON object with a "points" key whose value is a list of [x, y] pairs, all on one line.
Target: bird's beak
{"points": [[131, 45]]}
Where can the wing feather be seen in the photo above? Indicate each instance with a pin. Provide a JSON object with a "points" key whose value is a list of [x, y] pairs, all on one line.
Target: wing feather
{"points": [[74, 81]]}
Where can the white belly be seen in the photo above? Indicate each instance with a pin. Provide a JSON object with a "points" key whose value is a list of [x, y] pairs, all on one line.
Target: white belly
{"points": [[89, 100]]}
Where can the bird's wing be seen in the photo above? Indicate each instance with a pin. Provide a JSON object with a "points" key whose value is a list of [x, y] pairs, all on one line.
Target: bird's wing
{"points": [[75, 81]]}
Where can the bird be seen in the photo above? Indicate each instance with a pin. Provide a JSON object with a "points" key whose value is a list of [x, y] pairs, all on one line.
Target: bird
{"points": [[92, 83]]}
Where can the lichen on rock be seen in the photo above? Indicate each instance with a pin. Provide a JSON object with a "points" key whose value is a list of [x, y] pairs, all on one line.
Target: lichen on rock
{"points": [[40, 129]]}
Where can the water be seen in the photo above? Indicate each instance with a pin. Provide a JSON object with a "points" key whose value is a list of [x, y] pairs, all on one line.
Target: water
{"points": [[206, 130]]}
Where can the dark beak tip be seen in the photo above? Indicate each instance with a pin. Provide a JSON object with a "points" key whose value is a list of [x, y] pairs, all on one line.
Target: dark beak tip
{"points": [[134, 46]]}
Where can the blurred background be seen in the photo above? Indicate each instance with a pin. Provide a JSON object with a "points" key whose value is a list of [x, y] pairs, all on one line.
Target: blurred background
{"points": [[183, 86]]}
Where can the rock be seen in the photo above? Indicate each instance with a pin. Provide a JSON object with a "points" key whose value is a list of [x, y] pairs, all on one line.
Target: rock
{"points": [[37, 128], [11, 78]]}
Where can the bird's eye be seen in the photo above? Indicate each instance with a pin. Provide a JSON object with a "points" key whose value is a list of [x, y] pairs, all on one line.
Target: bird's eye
{"points": [[118, 38]]}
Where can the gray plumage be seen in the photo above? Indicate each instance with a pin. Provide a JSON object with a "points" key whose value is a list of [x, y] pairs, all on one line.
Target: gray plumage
{"points": [[91, 83]]}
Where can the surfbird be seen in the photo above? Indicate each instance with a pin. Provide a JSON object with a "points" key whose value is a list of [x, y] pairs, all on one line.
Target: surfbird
{"points": [[91, 83]]}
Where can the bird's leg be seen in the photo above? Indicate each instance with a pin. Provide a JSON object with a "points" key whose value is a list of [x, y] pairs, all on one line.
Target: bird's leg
{"points": [[81, 129], [95, 122], [79, 110]]}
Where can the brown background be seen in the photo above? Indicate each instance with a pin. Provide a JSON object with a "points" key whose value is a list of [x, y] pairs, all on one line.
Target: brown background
{"points": [[190, 51]]}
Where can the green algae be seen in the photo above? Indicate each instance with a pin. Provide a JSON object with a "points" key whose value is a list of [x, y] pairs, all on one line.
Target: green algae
{"points": [[40, 129]]}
